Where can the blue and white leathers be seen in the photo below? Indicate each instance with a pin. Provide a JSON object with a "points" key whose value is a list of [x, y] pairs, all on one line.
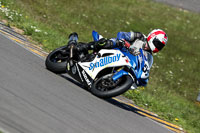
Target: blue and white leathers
{"points": [[128, 36]]}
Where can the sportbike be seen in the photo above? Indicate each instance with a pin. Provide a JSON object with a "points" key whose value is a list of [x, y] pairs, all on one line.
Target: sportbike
{"points": [[106, 73]]}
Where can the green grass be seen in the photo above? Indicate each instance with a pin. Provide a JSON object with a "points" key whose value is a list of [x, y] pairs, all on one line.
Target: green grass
{"points": [[174, 78]]}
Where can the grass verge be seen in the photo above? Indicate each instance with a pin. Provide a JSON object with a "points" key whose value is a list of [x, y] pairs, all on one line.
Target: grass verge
{"points": [[174, 78]]}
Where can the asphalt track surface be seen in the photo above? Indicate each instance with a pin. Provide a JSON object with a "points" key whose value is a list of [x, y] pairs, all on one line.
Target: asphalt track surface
{"points": [[35, 100], [192, 5]]}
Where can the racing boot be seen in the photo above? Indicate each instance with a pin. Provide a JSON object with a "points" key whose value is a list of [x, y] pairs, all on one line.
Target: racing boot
{"points": [[73, 38]]}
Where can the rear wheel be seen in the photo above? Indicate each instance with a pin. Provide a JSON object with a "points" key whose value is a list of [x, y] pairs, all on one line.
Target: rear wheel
{"points": [[105, 87], [56, 61]]}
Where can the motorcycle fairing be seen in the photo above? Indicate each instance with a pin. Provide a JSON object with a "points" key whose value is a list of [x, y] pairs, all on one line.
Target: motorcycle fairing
{"points": [[79, 74], [141, 67], [115, 58], [105, 58]]}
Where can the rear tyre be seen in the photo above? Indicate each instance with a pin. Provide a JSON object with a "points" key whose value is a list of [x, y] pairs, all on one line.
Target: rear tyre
{"points": [[105, 87], [56, 61]]}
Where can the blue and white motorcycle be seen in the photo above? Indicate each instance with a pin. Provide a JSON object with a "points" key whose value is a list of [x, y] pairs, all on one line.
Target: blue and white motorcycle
{"points": [[107, 73]]}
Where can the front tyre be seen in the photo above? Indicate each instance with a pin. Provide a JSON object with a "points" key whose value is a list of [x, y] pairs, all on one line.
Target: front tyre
{"points": [[56, 61], [105, 87]]}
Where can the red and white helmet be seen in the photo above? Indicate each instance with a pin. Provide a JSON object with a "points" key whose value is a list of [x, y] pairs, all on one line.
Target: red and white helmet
{"points": [[156, 40]]}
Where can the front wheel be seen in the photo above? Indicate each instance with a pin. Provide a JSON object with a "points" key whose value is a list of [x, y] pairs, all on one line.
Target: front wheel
{"points": [[105, 87], [56, 61]]}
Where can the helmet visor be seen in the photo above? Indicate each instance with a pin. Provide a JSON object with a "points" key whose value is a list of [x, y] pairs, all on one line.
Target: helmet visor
{"points": [[158, 44]]}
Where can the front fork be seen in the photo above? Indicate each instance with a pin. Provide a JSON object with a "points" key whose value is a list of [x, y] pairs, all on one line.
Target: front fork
{"points": [[119, 74]]}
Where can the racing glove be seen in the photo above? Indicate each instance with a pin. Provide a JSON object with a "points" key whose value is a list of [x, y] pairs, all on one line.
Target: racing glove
{"points": [[103, 43], [122, 43]]}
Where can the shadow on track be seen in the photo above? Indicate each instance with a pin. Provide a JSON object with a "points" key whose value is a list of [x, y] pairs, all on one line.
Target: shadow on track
{"points": [[109, 100]]}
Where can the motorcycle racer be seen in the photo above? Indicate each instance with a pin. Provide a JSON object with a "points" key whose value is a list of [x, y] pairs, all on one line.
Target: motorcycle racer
{"points": [[134, 41]]}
